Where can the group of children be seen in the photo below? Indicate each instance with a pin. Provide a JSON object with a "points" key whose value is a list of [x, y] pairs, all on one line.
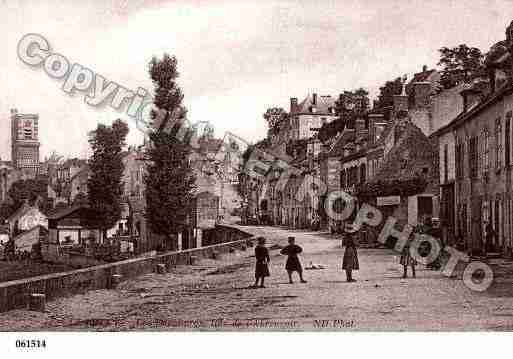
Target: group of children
{"points": [[262, 261], [293, 264]]}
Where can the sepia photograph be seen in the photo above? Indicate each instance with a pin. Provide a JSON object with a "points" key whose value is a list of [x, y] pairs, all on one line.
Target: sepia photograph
{"points": [[222, 167]]}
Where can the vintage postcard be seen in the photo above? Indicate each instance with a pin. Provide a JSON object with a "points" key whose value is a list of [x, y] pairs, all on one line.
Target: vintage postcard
{"points": [[255, 166]]}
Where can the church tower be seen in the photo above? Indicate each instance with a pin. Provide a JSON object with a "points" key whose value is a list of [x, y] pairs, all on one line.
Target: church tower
{"points": [[25, 142]]}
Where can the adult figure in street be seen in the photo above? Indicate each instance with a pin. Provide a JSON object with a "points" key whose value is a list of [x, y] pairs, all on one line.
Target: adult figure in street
{"points": [[350, 261], [262, 262], [407, 260], [293, 264]]}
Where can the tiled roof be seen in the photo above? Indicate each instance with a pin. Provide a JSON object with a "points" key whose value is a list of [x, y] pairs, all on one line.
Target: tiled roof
{"points": [[20, 212], [60, 213], [323, 105], [476, 109], [422, 76], [413, 149]]}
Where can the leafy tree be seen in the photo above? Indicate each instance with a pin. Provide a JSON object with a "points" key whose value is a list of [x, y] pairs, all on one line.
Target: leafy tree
{"points": [[387, 92], [22, 191], [461, 63], [170, 178], [348, 105], [28, 190], [274, 116], [105, 188]]}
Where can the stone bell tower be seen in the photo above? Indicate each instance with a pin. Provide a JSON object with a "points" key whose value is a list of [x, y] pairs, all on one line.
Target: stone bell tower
{"points": [[25, 142]]}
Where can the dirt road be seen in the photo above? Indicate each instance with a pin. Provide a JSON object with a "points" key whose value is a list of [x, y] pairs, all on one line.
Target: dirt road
{"points": [[215, 295]]}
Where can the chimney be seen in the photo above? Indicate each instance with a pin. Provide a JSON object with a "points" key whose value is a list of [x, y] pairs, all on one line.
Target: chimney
{"points": [[359, 126], [293, 104], [424, 68], [421, 93], [374, 119], [314, 99], [401, 102]]}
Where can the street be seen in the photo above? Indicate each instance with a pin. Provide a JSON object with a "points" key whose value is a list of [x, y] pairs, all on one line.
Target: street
{"points": [[215, 295]]}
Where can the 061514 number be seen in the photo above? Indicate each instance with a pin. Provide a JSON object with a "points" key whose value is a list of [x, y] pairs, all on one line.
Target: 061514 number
{"points": [[30, 343]]}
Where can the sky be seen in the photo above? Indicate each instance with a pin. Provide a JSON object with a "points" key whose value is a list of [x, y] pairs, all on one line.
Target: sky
{"points": [[235, 58]]}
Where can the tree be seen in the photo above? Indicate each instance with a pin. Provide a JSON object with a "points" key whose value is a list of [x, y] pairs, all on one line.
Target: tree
{"points": [[461, 63], [387, 92], [105, 188], [170, 178], [348, 106], [274, 116], [28, 190], [22, 191]]}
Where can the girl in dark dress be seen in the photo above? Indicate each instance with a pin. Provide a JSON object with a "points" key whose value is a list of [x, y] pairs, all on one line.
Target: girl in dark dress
{"points": [[350, 261], [293, 264], [407, 260], [262, 261]]}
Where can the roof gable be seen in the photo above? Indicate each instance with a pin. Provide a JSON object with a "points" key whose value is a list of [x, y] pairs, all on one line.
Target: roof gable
{"points": [[410, 155], [65, 212], [325, 105]]}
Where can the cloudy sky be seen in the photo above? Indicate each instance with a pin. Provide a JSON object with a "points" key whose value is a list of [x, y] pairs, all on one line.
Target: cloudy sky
{"points": [[236, 58]]}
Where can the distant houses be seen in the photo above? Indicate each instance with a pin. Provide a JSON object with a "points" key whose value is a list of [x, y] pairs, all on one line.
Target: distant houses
{"points": [[360, 155], [26, 227]]}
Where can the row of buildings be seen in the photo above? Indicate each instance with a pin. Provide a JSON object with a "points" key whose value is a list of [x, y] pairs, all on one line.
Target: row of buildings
{"points": [[60, 216], [435, 153]]}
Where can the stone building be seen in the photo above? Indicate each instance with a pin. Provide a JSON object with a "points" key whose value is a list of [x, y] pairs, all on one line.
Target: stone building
{"points": [[25, 218], [25, 142], [475, 160], [406, 184], [310, 114]]}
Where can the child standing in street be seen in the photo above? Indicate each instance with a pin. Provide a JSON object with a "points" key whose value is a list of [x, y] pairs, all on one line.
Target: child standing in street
{"points": [[407, 260], [293, 264], [350, 261], [262, 262]]}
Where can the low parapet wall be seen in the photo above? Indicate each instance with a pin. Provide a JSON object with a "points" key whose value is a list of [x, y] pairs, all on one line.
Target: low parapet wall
{"points": [[15, 294]]}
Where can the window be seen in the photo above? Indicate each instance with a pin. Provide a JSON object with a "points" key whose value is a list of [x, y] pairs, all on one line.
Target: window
{"points": [[446, 167], [472, 157], [343, 175], [462, 223], [507, 139], [459, 159], [363, 173], [486, 152], [498, 144]]}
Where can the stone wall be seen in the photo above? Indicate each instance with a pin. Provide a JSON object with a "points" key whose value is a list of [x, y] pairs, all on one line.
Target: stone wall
{"points": [[14, 294]]}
